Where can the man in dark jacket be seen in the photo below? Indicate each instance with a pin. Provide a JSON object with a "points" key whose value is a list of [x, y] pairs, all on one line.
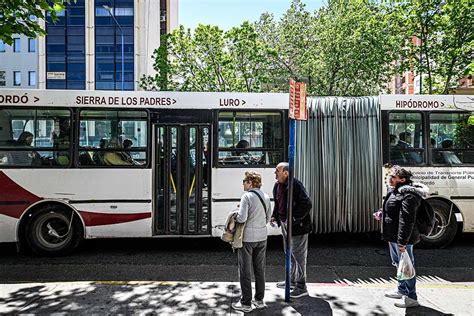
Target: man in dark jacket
{"points": [[399, 227], [300, 229]]}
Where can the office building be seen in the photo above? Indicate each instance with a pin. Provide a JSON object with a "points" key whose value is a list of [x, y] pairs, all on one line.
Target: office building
{"points": [[103, 44]]}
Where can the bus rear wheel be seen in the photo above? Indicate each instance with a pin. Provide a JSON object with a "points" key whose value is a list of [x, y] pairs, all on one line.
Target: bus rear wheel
{"points": [[445, 227], [53, 231]]}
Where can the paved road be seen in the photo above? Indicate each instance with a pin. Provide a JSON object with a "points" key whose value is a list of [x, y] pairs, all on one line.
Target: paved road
{"points": [[347, 275], [347, 258]]}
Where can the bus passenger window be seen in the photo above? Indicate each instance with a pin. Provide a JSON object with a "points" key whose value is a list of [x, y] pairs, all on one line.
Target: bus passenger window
{"points": [[406, 139], [113, 138], [35, 137], [452, 139], [250, 138]]}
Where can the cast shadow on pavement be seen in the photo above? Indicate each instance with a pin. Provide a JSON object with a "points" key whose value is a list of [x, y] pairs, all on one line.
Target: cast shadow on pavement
{"points": [[157, 298], [307, 305], [93, 298], [424, 310]]}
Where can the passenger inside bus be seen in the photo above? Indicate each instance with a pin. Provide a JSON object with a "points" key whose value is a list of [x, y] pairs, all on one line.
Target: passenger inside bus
{"points": [[62, 141], [239, 156], [98, 157], [25, 158], [449, 156], [396, 156], [114, 158], [405, 142], [241, 144], [393, 140], [125, 155]]}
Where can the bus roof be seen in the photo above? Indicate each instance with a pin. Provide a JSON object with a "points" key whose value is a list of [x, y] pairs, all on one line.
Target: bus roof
{"points": [[144, 99]]}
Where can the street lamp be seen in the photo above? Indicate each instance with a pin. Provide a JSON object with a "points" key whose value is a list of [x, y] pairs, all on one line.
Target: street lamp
{"points": [[109, 9]]}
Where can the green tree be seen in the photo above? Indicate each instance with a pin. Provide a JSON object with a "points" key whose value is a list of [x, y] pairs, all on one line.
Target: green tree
{"points": [[21, 17], [445, 29], [158, 81], [345, 48], [291, 45], [348, 47], [249, 65], [210, 59]]}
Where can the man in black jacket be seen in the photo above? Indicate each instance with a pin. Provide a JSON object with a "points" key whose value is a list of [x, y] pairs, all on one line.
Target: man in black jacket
{"points": [[300, 229], [399, 227]]}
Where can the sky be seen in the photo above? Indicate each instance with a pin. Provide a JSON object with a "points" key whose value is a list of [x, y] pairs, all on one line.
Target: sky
{"points": [[229, 13]]}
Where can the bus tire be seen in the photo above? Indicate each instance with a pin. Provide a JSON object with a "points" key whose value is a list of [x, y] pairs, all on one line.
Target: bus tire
{"points": [[48, 232], [445, 228]]}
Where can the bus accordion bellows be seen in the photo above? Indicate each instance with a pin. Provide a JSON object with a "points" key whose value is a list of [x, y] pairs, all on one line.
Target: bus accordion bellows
{"points": [[100, 164]]}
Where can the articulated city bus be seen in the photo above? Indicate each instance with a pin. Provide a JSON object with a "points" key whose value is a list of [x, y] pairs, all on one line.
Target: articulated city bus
{"points": [[97, 164]]}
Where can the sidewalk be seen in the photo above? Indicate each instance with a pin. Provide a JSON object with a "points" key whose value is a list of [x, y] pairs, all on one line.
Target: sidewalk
{"points": [[436, 296]]}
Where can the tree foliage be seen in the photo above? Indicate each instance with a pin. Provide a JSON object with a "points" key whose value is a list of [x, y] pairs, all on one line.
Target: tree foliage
{"points": [[345, 48], [445, 29], [210, 59], [21, 17], [348, 47]]}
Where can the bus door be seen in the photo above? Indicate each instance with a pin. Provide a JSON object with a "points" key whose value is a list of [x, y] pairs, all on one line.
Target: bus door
{"points": [[182, 179]]}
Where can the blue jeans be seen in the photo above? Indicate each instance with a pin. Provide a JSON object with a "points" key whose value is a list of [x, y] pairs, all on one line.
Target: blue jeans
{"points": [[405, 287]]}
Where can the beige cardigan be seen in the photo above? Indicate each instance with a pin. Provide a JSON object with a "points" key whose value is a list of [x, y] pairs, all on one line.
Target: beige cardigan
{"points": [[234, 231]]}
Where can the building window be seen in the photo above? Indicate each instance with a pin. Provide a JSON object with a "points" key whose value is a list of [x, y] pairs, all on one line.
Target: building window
{"points": [[110, 75], [32, 45], [2, 79], [66, 49], [32, 78], [17, 78], [16, 45], [2, 46]]}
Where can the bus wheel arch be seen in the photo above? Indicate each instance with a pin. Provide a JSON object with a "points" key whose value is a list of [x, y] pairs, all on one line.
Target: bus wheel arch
{"points": [[446, 227], [46, 229]]}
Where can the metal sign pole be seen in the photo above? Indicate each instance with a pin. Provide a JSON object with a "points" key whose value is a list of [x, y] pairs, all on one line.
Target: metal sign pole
{"points": [[289, 219]]}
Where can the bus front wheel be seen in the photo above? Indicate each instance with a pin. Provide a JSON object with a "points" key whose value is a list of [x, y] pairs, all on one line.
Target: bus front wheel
{"points": [[445, 227], [53, 231]]}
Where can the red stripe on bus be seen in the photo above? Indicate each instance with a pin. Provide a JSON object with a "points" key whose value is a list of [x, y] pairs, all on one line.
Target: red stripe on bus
{"points": [[14, 199], [97, 219]]}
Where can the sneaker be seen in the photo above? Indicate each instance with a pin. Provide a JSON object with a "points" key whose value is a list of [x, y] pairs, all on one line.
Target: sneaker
{"points": [[394, 294], [297, 293], [281, 285], [259, 304], [243, 308], [407, 302]]}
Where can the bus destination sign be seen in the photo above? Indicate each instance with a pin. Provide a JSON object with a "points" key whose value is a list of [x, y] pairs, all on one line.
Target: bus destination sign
{"points": [[118, 101]]}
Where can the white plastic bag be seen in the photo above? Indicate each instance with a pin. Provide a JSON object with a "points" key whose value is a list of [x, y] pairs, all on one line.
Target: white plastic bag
{"points": [[406, 270]]}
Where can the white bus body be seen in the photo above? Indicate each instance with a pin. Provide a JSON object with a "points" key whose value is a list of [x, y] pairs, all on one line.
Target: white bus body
{"points": [[117, 200]]}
